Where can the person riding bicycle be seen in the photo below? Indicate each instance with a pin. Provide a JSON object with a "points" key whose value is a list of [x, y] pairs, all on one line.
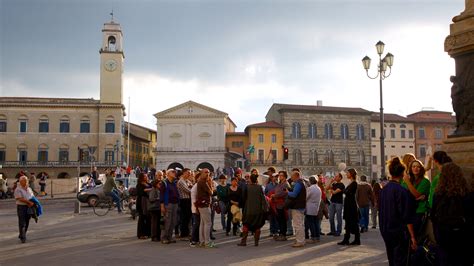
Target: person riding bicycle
{"points": [[110, 189]]}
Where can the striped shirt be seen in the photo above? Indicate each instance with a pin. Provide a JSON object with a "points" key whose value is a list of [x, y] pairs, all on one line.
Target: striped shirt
{"points": [[184, 188]]}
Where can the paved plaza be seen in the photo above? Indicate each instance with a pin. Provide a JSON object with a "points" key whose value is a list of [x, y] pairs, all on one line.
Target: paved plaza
{"points": [[64, 238]]}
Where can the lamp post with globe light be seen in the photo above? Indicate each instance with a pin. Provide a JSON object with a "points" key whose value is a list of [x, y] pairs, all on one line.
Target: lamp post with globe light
{"points": [[384, 63]]}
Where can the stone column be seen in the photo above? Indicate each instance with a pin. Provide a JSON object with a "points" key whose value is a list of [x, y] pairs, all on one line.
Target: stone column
{"points": [[460, 46]]}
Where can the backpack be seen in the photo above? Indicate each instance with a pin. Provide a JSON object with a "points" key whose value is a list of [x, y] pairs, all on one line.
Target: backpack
{"points": [[450, 213]]}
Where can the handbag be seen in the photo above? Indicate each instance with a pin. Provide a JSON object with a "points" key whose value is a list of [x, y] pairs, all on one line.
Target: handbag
{"points": [[154, 200], [203, 202], [216, 207]]}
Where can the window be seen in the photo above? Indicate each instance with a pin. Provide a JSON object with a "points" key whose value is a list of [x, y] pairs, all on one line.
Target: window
{"points": [[346, 158], [373, 132], [23, 125], [261, 156], [109, 156], [393, 146], [329, 157], [3, 125], [296, 130], [260, 138], [84, 155], [237, 144], [421, 133], [438, 133], [2, 155], [44, 125], [393, 125], [410, 133], [22, 156], [374, 159], [297, 157], [313, 157], [392, 133], [42, 156], [438, 147], [328, 134], [312, 131], [403, 126], [402, 134], [110, 126], [274, 138], [63, 155], [403, 146], [344, 131], [274, 156], [361, 157], [422, 150], [85, 126], [360, 134], [64, 126]]}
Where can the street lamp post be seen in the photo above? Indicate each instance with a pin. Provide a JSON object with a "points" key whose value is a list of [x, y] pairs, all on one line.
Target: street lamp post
{"points": [[387, 61]]}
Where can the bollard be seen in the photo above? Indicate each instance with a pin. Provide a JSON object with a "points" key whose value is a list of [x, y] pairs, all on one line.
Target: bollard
{"points": [[77, 206]]}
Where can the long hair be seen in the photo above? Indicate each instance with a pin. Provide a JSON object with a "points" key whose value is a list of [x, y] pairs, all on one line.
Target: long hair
{"points": [[422, 170], [452, 181], [407, 159], [441, 157]]}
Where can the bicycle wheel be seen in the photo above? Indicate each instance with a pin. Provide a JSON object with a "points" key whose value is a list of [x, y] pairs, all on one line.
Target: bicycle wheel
{"points": [[101, 208]]}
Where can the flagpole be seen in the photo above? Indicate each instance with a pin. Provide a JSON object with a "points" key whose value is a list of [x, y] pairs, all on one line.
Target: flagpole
{"points": [[128, 134]]}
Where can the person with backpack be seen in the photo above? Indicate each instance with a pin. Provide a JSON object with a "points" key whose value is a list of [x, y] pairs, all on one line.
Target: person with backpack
{"points": [[452, 216]]}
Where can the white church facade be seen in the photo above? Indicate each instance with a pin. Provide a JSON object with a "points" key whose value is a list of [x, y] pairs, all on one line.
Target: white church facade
{"points": [[192, 135]]}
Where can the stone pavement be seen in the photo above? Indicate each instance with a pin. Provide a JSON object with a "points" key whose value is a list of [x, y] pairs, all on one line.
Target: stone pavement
{"points": [[61, 237]]}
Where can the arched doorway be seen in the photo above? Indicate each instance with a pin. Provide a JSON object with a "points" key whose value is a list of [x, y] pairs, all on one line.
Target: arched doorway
{"points": [[206, 165], [64, 175], [175, 165]]}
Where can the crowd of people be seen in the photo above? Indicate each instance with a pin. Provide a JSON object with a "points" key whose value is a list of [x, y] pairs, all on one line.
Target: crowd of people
{"points": [[415, 212], [420, 216]]}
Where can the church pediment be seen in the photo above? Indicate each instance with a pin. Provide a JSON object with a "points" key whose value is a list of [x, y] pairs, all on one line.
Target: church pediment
{"points": [[190, 109]]}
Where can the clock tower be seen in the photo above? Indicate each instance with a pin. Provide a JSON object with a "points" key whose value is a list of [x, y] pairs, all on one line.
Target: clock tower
{"points": [[111, 63]]}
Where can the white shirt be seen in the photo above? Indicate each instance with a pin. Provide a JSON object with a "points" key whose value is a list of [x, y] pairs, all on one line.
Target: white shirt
{"points": [[194, 198], [20, 192], [313, 199]]}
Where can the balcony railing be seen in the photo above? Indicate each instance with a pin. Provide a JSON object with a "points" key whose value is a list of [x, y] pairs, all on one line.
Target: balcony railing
{"points": [[185, 149], [58, 164]]}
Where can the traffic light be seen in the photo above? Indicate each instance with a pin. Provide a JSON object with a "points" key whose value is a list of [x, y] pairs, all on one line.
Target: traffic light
{"points": [[285, 153]]}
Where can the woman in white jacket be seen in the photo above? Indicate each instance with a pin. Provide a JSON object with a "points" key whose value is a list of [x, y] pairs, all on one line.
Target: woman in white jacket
{"points": [[313, 199]]}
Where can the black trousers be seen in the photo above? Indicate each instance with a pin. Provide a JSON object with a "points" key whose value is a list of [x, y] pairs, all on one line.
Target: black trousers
{"points": [[282, 223], [155, 224], [229, 222], [23, 220], [397, 246], [143, 225], [185, 216]]}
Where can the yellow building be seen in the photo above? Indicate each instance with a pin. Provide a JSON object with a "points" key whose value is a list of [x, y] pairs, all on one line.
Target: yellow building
{"points": [[236, 144], [265, 145], [142, 144]]}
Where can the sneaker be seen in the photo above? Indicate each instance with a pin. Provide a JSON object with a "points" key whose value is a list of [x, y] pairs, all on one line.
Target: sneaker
{"points": [[165, 242], [193, 244], [298, 245], [210, 245]]}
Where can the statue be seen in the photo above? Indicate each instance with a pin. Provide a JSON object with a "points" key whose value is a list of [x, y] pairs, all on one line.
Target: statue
{"points": [[462, 95]]}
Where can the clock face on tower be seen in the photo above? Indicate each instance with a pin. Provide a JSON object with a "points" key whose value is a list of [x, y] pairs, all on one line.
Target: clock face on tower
{"points": [[110, 65]]}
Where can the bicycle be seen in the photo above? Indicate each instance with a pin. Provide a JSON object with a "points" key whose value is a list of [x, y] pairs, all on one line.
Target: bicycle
{"points": [[104, 205]]}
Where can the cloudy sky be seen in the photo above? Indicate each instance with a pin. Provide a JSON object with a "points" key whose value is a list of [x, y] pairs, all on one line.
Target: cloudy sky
{"points": [[239, 57]]}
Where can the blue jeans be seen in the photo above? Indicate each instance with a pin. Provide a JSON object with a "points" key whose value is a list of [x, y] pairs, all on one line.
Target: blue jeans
{"points": [[223, 207], [335, 209], [273, 225], [116, 199], [312, 225], [364, 217], [195, 231], [289, 224]]}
